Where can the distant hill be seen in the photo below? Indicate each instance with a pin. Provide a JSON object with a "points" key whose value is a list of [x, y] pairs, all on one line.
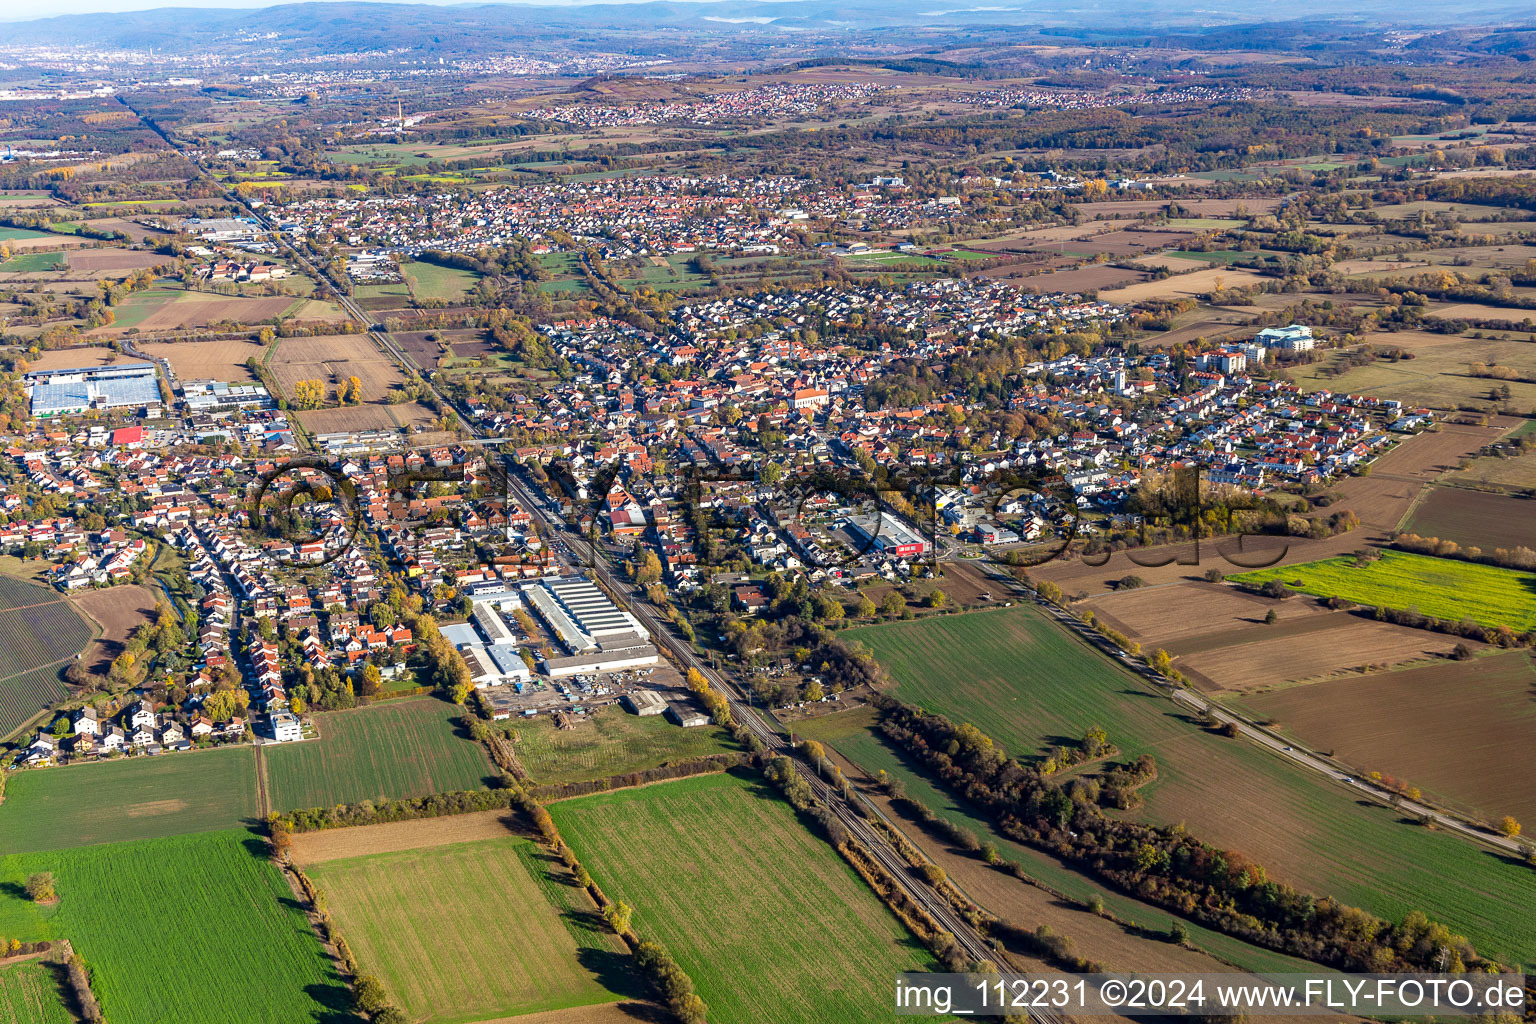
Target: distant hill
{"points": [[480, 28]]}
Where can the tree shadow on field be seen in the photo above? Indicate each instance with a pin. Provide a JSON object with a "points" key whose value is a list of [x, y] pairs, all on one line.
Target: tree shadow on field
{"points": [[14, 890], [335, 1004], [615, 972], [63, 990], [1052, 742], [555, 869], [1131, 692], [257, 847]]}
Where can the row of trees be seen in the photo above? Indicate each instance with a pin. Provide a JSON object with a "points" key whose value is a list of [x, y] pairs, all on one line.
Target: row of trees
{"points": [[444, 667], [1165, 866], [1518, 557]]}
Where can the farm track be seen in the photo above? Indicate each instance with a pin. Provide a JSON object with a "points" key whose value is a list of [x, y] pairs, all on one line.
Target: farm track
{"points": [[40, 604], [263, 796]]}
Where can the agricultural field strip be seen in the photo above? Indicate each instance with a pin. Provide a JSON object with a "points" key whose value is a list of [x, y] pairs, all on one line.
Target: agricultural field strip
{"points": [[120, 800], [1025, 682], [722, 874], [30, 993], [610, 742], [521, 956], [220, 910], [1441, 587], [386, 751]]}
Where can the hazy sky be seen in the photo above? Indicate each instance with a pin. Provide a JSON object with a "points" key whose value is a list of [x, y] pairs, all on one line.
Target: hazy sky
{"points": [[26, 10]]}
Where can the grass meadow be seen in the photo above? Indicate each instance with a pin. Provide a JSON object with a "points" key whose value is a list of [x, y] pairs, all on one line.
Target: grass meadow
{"points": [[766, 918], [610, 742], [386, 751], [128, 798], [474, 931], [434, 282], [195, 929], [1442, 587], [33, 262], [1029, 684]]}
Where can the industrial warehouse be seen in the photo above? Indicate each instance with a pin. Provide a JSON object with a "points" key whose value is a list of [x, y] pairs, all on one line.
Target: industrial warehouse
{"points": [[77, 390], [891, 537], [597, 636]]}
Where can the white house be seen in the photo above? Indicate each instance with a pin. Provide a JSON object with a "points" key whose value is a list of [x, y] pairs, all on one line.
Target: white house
{"points": [[142, 716], [285, 726], [87, 723]]}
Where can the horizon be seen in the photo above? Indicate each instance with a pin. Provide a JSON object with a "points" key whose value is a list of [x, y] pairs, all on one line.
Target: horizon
{"points": [[77, 7]]}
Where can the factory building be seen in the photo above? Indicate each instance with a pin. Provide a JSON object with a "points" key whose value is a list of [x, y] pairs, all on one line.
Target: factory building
{"points": [[600, 636], [72, 391], [644, 703], [892, 537]]}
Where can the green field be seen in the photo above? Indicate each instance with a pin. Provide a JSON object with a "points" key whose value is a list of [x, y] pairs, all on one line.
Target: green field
{"points": [[1219, 255], [32, 262], [393, 289], [185, 930], [137, 307], [435, 282], [677, 273], [31, 993], [767, 919], [16, 234], [376, 753], [134, 798], [1441, 587], [577, 287], [1027, 683], [386, 153], [891, 258], [610, 742], [468, 932], [564, 269]]}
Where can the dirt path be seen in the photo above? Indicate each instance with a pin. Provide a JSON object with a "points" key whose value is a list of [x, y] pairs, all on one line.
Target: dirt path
{"points": [[263, 797], [336, 843], [627, 1012], [24, 607]]}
